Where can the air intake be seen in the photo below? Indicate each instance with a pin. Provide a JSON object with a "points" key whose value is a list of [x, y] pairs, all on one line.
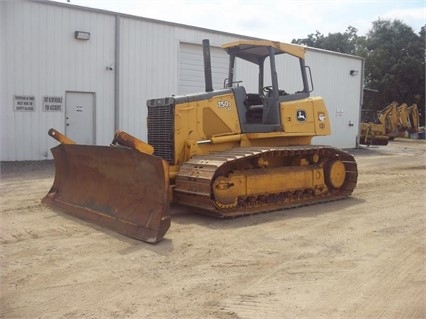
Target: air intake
{"points": [[161, 128]]}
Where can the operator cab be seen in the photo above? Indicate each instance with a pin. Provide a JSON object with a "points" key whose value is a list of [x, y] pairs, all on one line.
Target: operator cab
{"points": [[260, 111]]}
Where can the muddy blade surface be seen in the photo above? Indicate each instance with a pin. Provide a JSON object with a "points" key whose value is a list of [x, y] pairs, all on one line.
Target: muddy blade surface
{"points": [[118, 188]]}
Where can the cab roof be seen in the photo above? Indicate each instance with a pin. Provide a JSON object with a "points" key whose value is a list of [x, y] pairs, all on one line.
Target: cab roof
{"points": [[256, 50]]}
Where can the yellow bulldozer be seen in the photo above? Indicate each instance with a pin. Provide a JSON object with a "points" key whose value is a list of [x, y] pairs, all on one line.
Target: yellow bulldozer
{"points": [[223, 152], [393, 121]]}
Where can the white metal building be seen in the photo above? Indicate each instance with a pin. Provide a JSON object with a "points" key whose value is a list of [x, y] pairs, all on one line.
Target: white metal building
{"points": [[89, 72]]}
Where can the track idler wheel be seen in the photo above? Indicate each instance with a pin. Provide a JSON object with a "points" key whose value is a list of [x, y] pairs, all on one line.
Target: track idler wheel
{"points": [[335, 174]]}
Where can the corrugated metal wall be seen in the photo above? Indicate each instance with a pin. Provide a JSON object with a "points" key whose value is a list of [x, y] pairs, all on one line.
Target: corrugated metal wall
{"points": [[3, 83], [341, 92], [150, 58], [42, 58], [147, 69]]}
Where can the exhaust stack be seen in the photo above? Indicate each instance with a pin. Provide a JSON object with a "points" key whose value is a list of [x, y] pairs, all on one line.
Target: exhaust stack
{"points": [[207, 66]]}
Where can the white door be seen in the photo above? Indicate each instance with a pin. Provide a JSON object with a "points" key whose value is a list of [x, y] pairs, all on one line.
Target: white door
{"points": [[79, 117]]}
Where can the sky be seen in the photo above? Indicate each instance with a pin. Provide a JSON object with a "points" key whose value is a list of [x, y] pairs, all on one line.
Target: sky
{"points": [[278, 20]]}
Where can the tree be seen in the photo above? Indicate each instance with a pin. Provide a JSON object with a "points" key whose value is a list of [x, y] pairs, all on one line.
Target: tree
{"points": [[395, 62], [348, 42], [394, 58]]}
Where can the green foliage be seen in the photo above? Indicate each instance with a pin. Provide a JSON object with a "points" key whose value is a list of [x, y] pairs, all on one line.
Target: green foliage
{"points": [[395, 63], [394, 58], [348, 42]]}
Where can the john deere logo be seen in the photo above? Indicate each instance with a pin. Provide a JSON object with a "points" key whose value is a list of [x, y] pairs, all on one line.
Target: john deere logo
{"points": [[301, 115]]}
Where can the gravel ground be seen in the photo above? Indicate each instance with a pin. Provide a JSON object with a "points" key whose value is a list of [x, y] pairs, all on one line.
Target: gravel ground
{"points": [[363, 257]]}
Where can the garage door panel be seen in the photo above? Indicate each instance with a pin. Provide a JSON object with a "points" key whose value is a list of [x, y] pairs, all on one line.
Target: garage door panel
{"points": [[191, 68]]}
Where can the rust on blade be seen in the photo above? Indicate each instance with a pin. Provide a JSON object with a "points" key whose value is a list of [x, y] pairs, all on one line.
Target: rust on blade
{"points": [[130, 141], [119, 188], [61, 138]]}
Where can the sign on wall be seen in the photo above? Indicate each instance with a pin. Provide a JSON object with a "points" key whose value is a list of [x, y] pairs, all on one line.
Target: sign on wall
{"points": [[340, 114], [52, 103], [24, 103]]}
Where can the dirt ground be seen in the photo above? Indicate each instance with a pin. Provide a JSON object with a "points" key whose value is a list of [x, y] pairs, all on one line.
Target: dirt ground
{"points": [[363, 257]]}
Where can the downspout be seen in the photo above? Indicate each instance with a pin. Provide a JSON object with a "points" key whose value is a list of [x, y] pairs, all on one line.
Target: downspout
{"points": [[117, 75], [357, 144]]}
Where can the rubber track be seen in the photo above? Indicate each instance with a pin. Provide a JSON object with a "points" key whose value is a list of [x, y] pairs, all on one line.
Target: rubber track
{"points": [[195, 177]]}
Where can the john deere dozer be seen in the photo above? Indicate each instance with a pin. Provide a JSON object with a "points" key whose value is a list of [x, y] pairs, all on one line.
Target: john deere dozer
{"points": [[221, 152]]}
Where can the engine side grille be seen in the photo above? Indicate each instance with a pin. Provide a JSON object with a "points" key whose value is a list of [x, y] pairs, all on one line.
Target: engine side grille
{"points": [[161, 128]]}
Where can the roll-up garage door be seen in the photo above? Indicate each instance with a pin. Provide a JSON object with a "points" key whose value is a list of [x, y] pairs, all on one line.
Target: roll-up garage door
{"points": [[191, 68]]}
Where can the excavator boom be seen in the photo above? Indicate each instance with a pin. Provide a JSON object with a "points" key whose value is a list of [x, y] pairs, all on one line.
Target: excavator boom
{"points": [[393, 121]]}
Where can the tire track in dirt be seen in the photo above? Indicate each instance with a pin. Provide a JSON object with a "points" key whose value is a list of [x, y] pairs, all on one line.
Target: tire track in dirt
{"points": [[368, 289], [358, 258]]}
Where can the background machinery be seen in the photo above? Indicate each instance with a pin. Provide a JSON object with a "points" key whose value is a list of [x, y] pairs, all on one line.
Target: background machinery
{"points": [[393, 121], [221, 152]]}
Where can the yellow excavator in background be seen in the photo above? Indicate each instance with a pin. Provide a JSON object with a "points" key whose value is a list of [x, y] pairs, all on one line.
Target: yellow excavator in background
{"points": [[221, 152], [411, 117], [393, 121]]}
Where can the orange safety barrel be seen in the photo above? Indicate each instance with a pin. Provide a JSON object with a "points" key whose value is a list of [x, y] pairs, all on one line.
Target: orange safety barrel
{"points": [[115, 187]]}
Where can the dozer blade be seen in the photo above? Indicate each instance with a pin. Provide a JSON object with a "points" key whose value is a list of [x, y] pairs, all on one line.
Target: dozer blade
{"points": [[119, 188]]}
